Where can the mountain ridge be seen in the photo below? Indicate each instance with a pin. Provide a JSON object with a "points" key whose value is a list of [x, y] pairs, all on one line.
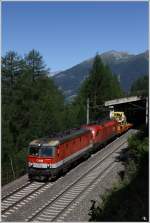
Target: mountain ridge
{"points": [[128, 67]]}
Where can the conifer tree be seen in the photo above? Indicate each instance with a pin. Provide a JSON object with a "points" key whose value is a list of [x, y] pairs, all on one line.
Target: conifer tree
{"points": [[140, 86], [101, 85], [30, 109], [35, 64], [12, 67]]}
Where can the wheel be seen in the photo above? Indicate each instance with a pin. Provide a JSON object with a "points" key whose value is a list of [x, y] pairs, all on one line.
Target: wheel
{"points": [[30, 178], [65, 170], [53, 178]]}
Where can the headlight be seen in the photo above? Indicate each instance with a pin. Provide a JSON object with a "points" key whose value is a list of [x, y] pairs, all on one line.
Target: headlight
{"points": [[30, 164]]}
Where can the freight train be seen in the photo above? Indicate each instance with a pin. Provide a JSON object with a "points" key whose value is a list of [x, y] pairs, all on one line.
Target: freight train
{"points": [[50, 157]]}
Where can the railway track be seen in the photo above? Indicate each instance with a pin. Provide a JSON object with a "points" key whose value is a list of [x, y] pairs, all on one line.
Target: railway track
{"points": [[63, 202], [17, 198], [15, 190]]}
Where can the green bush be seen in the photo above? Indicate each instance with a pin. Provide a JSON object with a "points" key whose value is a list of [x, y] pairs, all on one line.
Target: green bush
{"points": [[128, 201]]}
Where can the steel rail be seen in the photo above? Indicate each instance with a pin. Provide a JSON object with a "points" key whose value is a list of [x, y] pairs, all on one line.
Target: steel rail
{"points": [[23, 198], [15, 190], [39, 211], [81, 192]]}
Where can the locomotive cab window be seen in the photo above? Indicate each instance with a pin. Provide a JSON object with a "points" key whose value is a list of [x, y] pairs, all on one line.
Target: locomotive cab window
{"points": [[34, 151], [42, 151], [47, 151]]}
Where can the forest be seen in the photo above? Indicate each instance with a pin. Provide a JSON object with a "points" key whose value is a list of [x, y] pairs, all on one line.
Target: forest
{"points": [[33, 106]]}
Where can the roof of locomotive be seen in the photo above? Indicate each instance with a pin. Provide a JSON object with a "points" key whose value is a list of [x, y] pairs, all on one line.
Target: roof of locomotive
{"points": [[99, 126], [61, 138], [93, 127], [110, 123], [44, 142]]}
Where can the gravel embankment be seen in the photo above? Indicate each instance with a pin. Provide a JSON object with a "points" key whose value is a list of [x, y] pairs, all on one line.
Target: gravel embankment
{"points": [[80, 212], [12, 185]]}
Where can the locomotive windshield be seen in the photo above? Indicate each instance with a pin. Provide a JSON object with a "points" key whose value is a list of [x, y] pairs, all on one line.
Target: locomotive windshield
{"points": [[46, 151], [42, 151]]}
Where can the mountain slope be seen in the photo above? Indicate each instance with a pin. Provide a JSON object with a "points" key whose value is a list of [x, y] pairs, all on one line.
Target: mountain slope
{"points": [[126, 66]]}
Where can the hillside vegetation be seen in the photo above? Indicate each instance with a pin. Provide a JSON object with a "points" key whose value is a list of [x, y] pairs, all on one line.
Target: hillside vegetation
{"points": [[32, 107], [128, 201], [140, 86]]}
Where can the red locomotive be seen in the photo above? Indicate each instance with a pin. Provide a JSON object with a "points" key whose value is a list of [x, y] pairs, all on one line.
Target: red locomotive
{"points": [[103, 132], [48, 157]]}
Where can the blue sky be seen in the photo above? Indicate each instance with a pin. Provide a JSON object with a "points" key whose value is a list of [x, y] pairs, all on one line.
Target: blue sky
{"points": [[66, 33]]}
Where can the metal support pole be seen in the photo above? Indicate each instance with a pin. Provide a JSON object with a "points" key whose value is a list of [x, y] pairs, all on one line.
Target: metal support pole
{"points": [[87, 111], [146, 110], [111, 110], [11, 163]]}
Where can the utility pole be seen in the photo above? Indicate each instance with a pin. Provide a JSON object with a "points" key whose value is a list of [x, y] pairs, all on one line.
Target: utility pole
{"points": [[111, 110], [11, 163], [146, 110], [87, 111], [118, 78]]}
